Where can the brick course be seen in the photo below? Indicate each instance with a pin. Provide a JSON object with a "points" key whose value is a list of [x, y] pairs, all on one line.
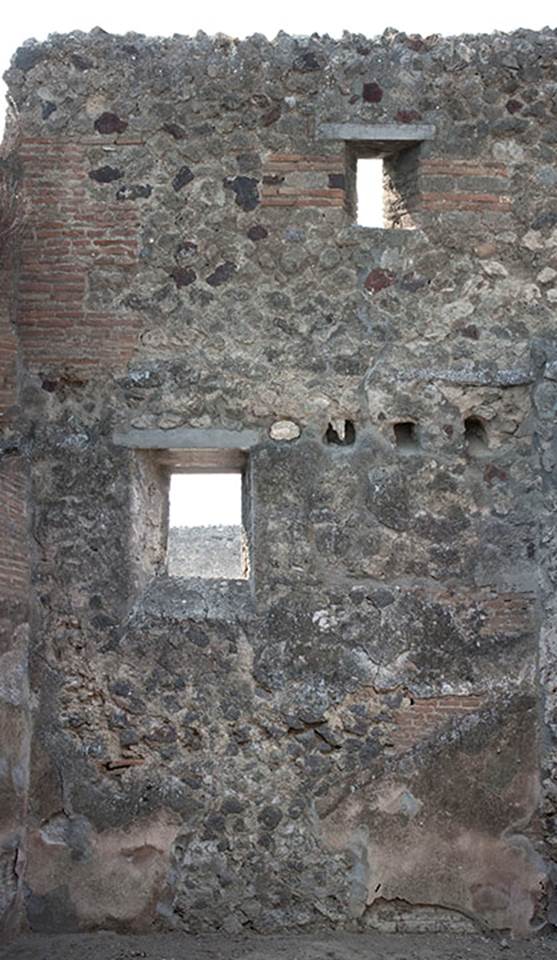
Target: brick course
{"points": [[279, 169], [8, 346], [14, 566], [422, 717]]}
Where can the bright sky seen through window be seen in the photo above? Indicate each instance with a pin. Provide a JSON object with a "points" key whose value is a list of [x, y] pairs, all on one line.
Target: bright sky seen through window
{"points": [[205, 499], [369, 185]]}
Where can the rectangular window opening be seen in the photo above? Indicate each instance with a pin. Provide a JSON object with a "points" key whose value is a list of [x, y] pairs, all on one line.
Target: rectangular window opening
{"points": [[370, 192], [381, 184], [206, 518]]}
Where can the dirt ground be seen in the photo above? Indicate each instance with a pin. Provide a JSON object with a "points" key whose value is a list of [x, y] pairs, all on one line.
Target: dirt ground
{"points": [[368, 946]]}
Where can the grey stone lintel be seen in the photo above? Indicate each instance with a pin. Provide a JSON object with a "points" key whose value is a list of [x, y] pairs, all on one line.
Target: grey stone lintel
{"points": [[377, 132], [187, 438]]}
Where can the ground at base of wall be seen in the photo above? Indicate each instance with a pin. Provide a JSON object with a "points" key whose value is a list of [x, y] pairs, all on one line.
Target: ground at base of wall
{"points": [[368, 946]]}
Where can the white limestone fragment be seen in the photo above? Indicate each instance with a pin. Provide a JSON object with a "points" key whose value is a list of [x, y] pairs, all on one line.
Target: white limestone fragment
{"points": [[494, 269], [546, 275], [509, 152], [284, 430], [170, 420], [532, 240]]}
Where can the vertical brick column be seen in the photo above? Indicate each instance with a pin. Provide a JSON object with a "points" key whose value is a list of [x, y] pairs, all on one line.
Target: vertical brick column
{"points": [[8, 348], [14, 571]]}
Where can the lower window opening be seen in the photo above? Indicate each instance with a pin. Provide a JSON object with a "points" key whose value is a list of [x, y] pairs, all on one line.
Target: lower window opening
{"points": [[206, 536]]}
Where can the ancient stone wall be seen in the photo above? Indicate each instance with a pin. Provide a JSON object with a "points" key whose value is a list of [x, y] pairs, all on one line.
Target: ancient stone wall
{"points": [[352, 735]]}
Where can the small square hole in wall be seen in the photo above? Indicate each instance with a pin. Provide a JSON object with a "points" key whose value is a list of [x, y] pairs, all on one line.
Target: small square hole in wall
{"points": [[406, 436], [475, 436], [206, 533], [369, 192]]}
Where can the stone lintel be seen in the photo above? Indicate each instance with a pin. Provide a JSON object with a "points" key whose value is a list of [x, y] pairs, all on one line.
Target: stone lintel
{"points": [[403, 133], [187, 438]]}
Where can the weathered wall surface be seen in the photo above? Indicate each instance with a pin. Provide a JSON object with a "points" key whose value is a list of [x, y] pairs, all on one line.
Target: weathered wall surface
{"points": [[14, 582], [353, 735]]}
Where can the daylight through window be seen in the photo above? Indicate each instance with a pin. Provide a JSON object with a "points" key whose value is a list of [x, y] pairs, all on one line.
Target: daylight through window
{"points": [[205, 531], [369, 192]]}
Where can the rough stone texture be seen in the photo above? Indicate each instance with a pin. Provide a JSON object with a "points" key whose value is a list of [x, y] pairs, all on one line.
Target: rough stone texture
{"points": [[212, 552], [354, 733]]}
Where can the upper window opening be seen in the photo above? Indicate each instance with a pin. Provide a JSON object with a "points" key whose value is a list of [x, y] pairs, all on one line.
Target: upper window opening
{"points": [[382, 193], [369, 192], [381, 184], [206, 531]]}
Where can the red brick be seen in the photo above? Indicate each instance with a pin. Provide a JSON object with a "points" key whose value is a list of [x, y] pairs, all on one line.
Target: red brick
{"points": [[14, 576]]}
